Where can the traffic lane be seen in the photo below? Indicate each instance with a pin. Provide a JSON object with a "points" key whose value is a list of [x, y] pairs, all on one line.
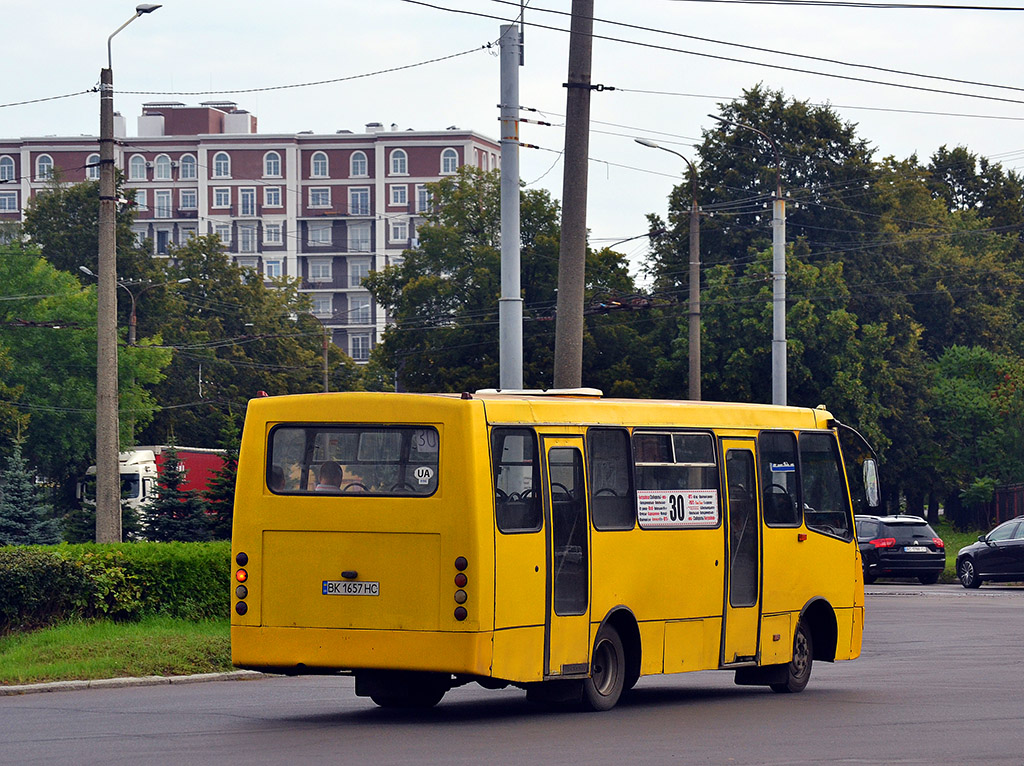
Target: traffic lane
{"points": [[697, 719], [903, 700]]}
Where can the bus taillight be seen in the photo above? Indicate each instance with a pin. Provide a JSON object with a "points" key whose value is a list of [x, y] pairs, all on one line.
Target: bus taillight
{"points": [[241, 591], [460, 595]]}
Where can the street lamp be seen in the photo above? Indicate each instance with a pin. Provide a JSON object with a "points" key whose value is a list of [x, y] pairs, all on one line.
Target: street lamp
{"points": [[326, 345], [108, 484], [134, 296], [778, 271], [694, 310]]}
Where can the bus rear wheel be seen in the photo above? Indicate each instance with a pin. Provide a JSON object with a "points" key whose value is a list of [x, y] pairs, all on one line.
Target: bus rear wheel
{"points": [[798, 671], [411, 698], [401, 689], [607, 671]]}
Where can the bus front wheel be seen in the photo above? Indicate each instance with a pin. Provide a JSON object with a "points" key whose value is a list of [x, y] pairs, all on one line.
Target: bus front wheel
{"points": [[798, 671], [607, 671]]}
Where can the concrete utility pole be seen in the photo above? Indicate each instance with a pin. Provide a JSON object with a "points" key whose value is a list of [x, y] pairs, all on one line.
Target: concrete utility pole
{"points": [[779, 352], [108, 480], [510, 306], [694, 309], [572, 254]]}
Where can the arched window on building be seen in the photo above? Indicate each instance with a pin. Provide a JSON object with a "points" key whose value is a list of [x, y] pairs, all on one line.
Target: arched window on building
{"points": [[92, 168], [44, 167], [221, 165], [187, 167], [6, 168], [449, 161], [272, 164], [162, 168], [318, 167], [399, 163], [358, 166], [137, 168]]}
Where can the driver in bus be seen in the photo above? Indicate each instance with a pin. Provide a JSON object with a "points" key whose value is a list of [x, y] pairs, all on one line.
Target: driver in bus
{"points": [[331, 477]]}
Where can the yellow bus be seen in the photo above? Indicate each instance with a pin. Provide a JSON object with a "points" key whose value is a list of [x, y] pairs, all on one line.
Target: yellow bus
{"points": [[560, 542]]}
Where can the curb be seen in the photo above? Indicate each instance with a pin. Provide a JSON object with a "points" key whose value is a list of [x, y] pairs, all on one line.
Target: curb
{"points": [[118, 683]]}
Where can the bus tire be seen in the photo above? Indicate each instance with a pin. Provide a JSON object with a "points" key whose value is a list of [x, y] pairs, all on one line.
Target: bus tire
{"points": [[798, 671], [419, 697], [397, 689], [607, 671]]}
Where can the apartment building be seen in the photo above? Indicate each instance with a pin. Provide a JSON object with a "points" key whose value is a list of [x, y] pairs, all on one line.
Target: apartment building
{"points": [[327, 209]]}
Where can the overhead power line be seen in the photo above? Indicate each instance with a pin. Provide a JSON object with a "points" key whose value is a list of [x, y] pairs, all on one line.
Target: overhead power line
{"points": [[48, 98], [307, 84], [716, 57], [775, 52], [851, 4]]}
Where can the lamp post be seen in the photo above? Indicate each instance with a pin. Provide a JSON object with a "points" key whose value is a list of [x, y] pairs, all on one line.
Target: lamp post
{"points": [[326, 346], [694, 310], [779, 394], [108, 484], [132, 323]]}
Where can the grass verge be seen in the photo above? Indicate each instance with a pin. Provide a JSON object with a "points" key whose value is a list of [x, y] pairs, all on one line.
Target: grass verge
{"points": [[87, 650], [954, 541]]}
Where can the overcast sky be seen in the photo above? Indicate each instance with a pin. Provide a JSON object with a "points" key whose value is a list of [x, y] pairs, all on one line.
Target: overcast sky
{"points": [[197, 50]]}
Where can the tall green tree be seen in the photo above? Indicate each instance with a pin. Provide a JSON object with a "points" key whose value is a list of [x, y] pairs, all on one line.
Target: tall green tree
{"points": [[978, 406], [25, 518], [443, 298], [176, 514], [235, 337], [63, 220], [820, 162], [48, 334], [220, 494], [890, 264]]}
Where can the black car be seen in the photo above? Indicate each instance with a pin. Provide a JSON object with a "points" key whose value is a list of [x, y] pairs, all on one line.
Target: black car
{"points": [[997, 556], [900, 546]]}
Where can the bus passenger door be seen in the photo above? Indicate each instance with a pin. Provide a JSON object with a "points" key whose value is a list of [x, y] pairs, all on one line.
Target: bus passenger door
{"points": [[742, 602], [567, 642]]}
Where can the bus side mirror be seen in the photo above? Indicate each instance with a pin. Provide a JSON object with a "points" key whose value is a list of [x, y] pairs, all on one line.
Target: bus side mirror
{"points": [[871, 490]]}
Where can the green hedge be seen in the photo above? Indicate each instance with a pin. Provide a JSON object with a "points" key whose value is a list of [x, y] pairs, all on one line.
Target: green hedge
{"points": [[40, 585]]}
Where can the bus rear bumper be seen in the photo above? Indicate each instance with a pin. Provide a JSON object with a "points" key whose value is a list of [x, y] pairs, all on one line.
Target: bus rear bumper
{"points": [[300, 651]]}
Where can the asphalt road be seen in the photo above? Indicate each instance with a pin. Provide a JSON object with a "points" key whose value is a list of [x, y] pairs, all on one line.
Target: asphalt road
{"points": [[941, 680]]}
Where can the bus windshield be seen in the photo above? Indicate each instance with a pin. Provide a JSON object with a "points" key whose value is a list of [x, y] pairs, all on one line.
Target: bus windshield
{"points": [[374, 460]]}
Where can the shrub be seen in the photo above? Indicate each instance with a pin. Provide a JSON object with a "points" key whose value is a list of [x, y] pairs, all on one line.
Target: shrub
{"points": [[188, 580], [40, 585], [37, 587]]}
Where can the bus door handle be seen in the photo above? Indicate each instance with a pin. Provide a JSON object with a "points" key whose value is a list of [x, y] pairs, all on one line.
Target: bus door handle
{"points": [[350, 574]]}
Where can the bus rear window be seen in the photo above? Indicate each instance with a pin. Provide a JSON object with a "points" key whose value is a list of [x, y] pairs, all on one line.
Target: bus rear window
{"points": [[357, 460]]}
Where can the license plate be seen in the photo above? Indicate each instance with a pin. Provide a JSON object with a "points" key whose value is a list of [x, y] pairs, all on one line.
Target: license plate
{"points": [[915, 549], [350, 588]]}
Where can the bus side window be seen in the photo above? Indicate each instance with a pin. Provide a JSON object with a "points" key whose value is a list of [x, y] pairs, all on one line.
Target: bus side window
{"points": [[826, 506], [674, 460], [516, 480], [613, 498], [781, 507]]}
